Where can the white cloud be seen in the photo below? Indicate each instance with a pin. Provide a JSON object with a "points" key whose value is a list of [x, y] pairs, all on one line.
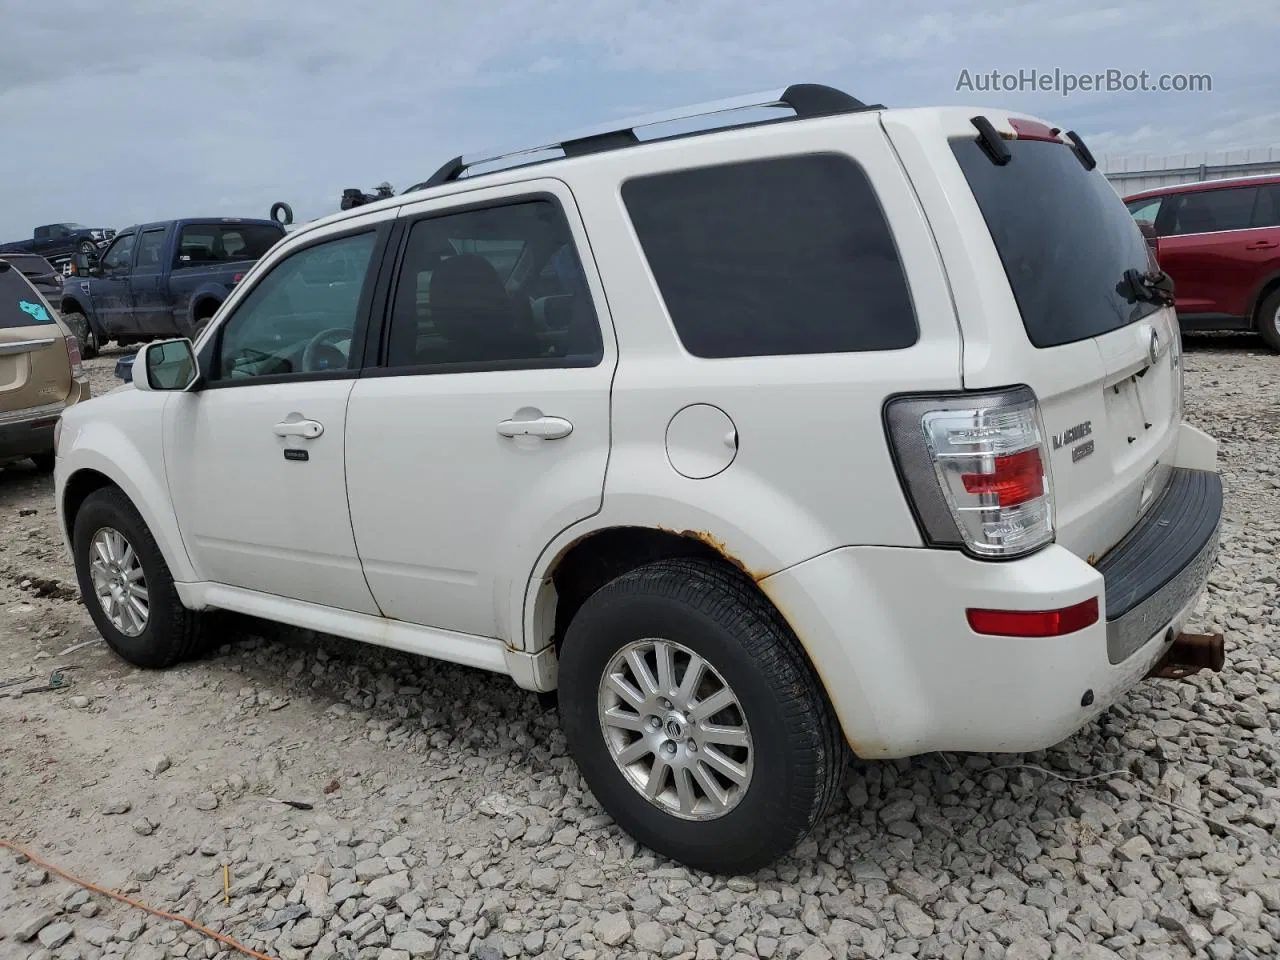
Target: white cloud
{"points": [[165, 108]]}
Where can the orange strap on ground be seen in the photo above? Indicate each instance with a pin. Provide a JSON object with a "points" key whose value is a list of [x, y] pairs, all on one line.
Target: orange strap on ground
{"points": [[134, 903]]}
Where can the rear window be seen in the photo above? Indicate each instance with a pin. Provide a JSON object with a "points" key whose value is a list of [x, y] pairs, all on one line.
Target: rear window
{"points": [[224, 242], [20, 305], [1064, 236], [28, 263], [772, 257]]}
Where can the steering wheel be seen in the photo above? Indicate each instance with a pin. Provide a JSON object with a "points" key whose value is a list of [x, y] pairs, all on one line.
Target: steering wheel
{"points": [[311, 353]]}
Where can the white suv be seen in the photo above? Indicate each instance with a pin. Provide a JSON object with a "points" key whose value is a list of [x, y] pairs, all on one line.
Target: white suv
{"points": [[837, 426]]}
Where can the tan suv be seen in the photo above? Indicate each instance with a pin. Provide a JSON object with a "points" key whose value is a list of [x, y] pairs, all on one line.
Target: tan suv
{"points": [[40, 371]]}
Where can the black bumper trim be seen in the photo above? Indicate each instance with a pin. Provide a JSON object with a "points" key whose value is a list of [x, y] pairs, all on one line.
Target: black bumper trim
{"points": [[1164, 561]]}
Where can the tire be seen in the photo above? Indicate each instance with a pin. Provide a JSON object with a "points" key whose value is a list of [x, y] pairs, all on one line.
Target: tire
{"points": [[44, 461], [87, 247], [170, 633], [793, 755], [88, 337], [1269, 320]]}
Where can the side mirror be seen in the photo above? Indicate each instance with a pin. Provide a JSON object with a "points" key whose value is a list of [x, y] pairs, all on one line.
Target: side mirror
{"points": [[85, 265], [165, 365]]}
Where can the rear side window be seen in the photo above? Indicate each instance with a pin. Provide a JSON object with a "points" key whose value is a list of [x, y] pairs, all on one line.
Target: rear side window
{"points": [[773, 257], [1064, 236], [20, 305], [1209, 211]]}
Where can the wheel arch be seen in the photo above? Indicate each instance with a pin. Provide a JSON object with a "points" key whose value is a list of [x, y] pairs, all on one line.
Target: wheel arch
{"points": [[1265, 290], [128, 472]]}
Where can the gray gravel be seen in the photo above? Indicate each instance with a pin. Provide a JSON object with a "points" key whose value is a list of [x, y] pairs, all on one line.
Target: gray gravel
{"points": [[449, 822]]}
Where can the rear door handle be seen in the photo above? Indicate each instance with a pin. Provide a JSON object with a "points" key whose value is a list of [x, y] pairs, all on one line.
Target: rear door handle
{"points": [[546, 428], [1261, 245], [306, 429]]}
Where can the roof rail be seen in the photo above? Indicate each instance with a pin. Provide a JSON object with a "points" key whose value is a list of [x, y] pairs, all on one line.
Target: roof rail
{"points": [[806, 99]]}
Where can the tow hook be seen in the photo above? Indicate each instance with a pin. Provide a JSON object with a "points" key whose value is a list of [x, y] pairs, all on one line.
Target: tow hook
{"points": [[1188, 654]]}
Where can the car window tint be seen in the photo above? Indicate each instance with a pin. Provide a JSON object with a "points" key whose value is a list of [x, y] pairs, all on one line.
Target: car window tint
{"points": [[1064, 238], [1267, 211], [773, 257], [493, 288], [121, 253], [20, 304], [301, 316], [1209, 211]]}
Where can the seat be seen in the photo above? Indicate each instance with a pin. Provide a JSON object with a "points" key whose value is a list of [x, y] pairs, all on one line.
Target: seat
{"points": [[470, 308]]}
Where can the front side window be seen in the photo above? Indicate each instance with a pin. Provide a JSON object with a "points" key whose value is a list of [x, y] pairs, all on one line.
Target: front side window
{"points": [[225, 242], [1146, 211], [493, 288], [301, 318], [120, 255], [773, 257], [1211, 211]]}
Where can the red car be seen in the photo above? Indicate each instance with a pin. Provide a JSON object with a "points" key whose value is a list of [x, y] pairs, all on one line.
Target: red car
{"points": [[1220, 242]]}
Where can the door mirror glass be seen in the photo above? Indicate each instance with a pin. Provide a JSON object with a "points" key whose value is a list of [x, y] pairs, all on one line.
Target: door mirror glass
{"points": [[168, 365]]}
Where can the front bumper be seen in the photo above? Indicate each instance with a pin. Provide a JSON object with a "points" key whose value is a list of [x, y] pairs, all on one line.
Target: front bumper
{"points": [[886, 630]]}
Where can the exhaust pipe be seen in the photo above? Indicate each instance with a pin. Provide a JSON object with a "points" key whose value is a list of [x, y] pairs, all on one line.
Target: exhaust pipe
{"points": [[1189, 653]]}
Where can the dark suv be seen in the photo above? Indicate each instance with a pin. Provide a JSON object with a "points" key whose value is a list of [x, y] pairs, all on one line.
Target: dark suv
{"points": [[1220, 241]]}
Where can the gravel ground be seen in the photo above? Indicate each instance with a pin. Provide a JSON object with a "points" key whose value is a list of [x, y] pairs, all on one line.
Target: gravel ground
{"points": [[448, 821]]}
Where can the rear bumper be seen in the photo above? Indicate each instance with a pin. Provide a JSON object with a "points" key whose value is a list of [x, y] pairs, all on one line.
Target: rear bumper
{"points": [[28, 432], [886, 630]]}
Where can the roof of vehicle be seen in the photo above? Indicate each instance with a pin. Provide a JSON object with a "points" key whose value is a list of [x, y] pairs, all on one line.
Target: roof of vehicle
{"points": [[806, 101], [1197, 185], [27, 258], [190, 221]]}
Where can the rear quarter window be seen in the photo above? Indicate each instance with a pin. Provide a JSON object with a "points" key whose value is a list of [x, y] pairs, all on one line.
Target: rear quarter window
{"points": [[20, 305], [773, 257]]}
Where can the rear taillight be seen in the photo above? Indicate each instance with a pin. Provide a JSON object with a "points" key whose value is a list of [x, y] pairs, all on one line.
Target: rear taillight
{"points": [[73, 356], [973, 466]]}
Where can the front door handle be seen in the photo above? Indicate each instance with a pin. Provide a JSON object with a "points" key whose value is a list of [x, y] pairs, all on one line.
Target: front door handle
{"points": [[545, 428], [1261, 245], [306, 429]]}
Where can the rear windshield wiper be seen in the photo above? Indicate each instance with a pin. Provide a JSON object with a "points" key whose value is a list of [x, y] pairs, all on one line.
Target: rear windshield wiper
{"points": [[1153, 286]]}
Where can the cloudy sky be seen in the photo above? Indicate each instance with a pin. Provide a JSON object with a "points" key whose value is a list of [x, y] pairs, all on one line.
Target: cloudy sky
{"points": [[127, 110]]}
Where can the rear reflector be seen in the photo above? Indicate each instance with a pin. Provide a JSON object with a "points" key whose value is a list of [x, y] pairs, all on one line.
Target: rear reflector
{"points": [[1034, 623]]}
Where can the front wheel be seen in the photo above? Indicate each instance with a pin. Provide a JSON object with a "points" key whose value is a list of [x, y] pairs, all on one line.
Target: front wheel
{"points": [[126, 584], [1269, 320], [696, 718], [84, 332], [87, 247]]}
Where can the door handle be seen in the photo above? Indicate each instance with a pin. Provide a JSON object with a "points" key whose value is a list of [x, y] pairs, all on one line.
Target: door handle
{"points": [[306, 429], [1261, 245], [545, 428]]}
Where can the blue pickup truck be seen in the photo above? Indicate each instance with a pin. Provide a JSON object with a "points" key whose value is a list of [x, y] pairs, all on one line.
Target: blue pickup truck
{"points": [[58, 242], [161, 279]]}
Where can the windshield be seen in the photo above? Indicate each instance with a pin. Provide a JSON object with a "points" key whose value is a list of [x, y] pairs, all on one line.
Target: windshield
{"points": [[1064, 236]]}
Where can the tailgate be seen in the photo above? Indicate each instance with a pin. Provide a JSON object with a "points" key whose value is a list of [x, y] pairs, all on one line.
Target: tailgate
{"points": [[35, 370], [1038, 247]]}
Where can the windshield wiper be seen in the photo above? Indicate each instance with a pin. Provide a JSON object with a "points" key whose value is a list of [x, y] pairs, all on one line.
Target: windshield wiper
{"points": [[1153, 286]]}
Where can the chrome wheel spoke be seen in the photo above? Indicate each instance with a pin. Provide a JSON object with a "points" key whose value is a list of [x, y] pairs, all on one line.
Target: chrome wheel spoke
{"points": [[119, 582], [655, 703]]}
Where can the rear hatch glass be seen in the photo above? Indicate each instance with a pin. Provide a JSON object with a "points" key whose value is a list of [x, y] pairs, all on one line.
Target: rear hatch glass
{"points": [[1103, 358], [20, 305], [1064, 236]]}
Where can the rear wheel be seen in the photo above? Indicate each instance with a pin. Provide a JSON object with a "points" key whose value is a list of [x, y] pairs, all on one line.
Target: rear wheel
{"points": [[1269, 320], [84, 332], [126, 585], [695, 717]]}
